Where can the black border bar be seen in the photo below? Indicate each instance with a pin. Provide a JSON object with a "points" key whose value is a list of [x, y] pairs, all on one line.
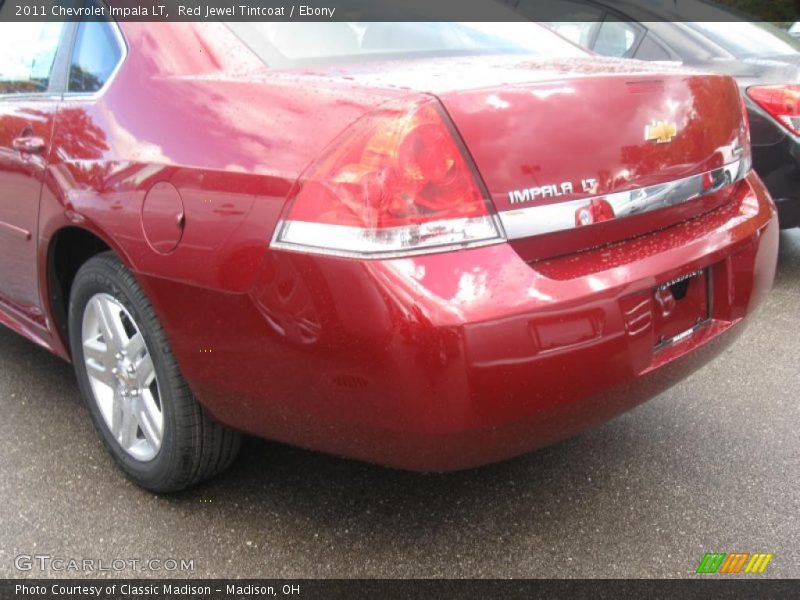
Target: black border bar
{"points": [[396, 10], [712, 586]]}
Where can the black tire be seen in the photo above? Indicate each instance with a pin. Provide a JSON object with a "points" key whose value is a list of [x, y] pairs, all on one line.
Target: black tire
{"points": [[193, 447]]}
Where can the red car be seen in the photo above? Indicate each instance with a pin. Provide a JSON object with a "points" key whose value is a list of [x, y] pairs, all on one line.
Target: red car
{"points": [[431, 246]]}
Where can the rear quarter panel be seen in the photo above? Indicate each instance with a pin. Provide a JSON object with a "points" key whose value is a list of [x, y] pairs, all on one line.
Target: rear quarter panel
{"points": [[180, 110]]}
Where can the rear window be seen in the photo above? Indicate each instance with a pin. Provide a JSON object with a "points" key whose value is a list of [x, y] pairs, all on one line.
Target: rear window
{"points": [[309, 44]]}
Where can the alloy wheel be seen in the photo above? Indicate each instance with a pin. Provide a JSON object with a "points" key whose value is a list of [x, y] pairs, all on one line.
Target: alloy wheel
{"points": [[122, 377]]}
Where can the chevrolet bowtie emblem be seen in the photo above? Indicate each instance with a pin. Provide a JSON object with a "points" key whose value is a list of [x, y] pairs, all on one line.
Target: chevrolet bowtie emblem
{"points": [[660, 131]]}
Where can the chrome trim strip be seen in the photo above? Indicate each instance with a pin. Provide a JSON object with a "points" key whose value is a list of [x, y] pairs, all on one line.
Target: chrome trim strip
{"points": [[23, 233], [392, 242], [550, 218], [43, 97], [455, 234]]}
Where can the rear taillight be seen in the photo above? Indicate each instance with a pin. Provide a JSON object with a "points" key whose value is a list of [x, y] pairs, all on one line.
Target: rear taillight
{"points": [[782, 102], [396, 183]]}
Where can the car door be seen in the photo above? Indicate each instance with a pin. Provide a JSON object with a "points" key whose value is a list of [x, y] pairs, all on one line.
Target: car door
{"points": [[30, 84]]}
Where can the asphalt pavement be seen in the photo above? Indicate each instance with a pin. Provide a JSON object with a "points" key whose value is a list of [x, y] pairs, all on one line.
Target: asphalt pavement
{"points": [[711, 465]]}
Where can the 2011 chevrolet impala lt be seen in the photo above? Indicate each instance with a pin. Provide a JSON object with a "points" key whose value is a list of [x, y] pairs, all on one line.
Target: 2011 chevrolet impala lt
{"points": [[430, 246]]}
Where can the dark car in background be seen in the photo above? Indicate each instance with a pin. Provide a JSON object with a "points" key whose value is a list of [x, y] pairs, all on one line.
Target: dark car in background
{"points": [[764, 60]]}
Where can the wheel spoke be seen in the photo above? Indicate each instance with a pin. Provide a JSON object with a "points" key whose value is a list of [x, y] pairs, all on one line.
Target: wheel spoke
{"points": [[135, 346], [150, 420], [145, 372], [100, 373], [110, 323], [94, 350], [117, 417], [128, 425]]}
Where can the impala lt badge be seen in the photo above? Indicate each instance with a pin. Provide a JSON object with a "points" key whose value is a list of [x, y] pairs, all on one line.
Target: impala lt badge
{"points": [[661, 132], [553, 190]]}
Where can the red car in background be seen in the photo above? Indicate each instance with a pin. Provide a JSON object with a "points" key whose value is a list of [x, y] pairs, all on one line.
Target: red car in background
{"points": [[430, 246]]}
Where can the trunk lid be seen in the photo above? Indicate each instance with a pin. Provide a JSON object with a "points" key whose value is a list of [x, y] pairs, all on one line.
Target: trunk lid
{"points": [[588, 136]]}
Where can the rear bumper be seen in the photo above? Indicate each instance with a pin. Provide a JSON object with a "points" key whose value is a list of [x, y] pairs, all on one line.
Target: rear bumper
{"points": [[451, 361]]}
